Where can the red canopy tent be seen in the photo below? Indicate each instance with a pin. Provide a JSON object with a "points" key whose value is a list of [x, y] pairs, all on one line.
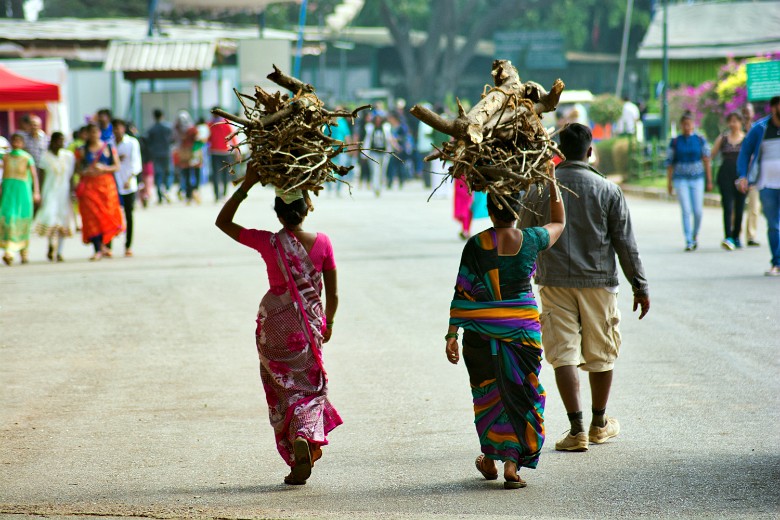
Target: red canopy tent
{"points": [[18, 93]]}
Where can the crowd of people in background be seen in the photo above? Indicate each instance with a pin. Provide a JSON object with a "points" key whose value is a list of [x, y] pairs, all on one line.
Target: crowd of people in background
{"points": [[748, 178], [53, 186]]}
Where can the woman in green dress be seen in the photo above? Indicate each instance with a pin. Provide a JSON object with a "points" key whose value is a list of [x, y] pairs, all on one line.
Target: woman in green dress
{"points": [[18, 192]]}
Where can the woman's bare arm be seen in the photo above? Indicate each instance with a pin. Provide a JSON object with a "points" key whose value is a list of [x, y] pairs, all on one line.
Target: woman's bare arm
{"points": [[225, 218], [331, 300], [557, 213], [716, 147]]}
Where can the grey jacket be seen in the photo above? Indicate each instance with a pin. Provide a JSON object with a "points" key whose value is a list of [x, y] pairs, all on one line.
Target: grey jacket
{"points": [[598, 226]]}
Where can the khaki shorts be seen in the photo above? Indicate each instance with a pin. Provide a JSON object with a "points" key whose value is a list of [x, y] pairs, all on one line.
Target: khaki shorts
{"points": [[580, 327]]}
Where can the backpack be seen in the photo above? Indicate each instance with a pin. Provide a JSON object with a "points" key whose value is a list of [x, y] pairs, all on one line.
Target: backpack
{"points": [[378, 141]]}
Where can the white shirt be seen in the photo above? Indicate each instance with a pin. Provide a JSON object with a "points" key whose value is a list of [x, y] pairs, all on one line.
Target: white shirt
{"points": [[627, 122], [130, 165]]}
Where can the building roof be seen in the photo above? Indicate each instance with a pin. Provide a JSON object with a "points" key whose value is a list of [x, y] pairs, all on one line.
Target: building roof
{"points": [[160, 55], [714, 30], [107, 29]]}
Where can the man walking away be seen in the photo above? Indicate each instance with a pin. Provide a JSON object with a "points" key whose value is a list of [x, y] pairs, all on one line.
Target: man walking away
{"points": [[160, 138], [130, 167], [578, 286], [759, 164]]}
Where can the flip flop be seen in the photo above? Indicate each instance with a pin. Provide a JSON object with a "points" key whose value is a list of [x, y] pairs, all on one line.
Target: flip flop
{"points": [[515, 484], [302, 468], [292, 481], [487, 475]]}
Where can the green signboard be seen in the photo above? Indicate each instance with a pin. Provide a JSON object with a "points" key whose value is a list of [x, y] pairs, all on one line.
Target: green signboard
{"points": [[538, 50], [763, 80]]}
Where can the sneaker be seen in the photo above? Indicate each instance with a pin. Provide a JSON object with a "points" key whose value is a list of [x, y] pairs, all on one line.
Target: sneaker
{"points": [[599, 435], [571, 442], [775, 271], [737, 243], [689, 248], [728, 245], [753, 243]]}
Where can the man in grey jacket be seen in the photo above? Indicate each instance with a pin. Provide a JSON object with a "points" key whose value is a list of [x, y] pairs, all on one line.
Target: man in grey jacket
{"points": [[578, 285]]}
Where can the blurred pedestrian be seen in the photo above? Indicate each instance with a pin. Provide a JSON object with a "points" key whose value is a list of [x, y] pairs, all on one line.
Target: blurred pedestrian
{"points": [[759, 164], [18, 192], [187, 158], [461, 210], [101, 217], [753, 200], [103, 120], [629, 117], [146, 179], [578, 285], [688, 173], [292, 325], [340, 131], [128, 150], [36, 142], [378, 142], [79, 138], [502, 342], [731, 199], [398, 164], [221, 154], [55, 219], [159, 139]]}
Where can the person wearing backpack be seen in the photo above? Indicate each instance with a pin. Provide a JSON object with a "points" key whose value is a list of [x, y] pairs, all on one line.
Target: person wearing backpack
{"points": [[688, 172], [378, 141]]}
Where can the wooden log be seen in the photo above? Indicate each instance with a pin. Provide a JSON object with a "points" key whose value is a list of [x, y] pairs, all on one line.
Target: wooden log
{"points": [[292, 84], [454, 127]]}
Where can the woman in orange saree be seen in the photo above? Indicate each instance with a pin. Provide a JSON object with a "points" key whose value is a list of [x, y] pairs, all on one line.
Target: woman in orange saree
{"points": [[101, 216]]}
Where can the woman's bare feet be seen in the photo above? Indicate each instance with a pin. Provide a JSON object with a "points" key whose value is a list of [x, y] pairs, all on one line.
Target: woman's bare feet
{"points": [[96, 257], [511, 479], [487, 467]]}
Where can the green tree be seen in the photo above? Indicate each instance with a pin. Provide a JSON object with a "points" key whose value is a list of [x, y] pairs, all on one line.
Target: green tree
{"points": [[94, 9]]}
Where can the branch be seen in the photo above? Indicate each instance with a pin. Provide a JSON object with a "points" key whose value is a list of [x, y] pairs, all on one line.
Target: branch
{"points": [[292, 84]]}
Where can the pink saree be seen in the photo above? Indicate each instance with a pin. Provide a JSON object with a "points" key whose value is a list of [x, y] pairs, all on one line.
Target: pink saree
{"points": [[289, 343]]}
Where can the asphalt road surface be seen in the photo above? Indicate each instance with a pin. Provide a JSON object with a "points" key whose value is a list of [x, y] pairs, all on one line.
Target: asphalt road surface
{"points": [[130, 387]]}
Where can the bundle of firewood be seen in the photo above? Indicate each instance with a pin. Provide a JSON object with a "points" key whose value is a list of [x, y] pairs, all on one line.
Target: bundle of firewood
{"points": [[500, 145], [285, 134]]}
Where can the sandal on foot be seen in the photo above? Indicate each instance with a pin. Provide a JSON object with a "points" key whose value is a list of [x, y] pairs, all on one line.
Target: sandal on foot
{"points": [[290, 480], [96, 257], [8, 259], [515, 484], [486, 474], [302, 454]]}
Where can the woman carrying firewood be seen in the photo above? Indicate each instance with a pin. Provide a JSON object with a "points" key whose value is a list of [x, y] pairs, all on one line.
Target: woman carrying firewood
{"points": [[494, 305], [292, 325]]}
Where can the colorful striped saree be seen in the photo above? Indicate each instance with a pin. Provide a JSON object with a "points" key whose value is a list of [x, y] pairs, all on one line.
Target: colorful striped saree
{"points": [[502, 348]]}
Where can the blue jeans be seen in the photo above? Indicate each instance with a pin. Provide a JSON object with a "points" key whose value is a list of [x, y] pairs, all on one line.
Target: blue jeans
{"points": [[162, 176], [770, 200], [690, 193], [220, 169]]}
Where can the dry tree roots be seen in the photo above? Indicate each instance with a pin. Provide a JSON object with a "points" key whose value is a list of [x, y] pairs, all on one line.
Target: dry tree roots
{"points": [[500, 145], [287, 135]]}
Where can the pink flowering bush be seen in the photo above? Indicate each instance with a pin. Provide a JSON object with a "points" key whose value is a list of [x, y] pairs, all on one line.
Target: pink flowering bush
{"points": [[712, 101]]}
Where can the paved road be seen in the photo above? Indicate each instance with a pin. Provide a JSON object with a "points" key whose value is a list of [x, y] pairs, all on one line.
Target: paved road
{"points": [[130, 387]]}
